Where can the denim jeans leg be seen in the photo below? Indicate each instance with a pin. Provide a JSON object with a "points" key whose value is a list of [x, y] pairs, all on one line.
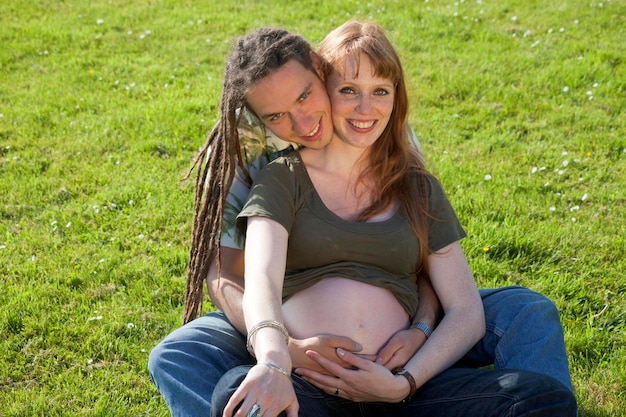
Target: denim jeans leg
{"points": [[523, 332], [188, 363], [484, 393]]}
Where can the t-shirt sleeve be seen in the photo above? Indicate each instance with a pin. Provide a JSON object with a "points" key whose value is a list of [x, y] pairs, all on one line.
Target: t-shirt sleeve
{"points": [[444, 226], [272, 196]]}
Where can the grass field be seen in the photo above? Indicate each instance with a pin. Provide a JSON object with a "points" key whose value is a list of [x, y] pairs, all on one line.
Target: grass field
{"points": [[520, 109]]}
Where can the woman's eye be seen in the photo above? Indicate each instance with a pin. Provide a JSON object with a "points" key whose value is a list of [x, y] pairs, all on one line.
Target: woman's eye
{"points": [[346, 90], [381, 92]]}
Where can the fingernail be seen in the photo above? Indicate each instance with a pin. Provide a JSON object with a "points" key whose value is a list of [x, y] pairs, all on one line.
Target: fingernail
{"points": [[340, 352]]}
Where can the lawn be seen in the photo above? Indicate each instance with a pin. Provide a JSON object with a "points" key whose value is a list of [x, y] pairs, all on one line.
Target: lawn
{"points": [[520, 109]]}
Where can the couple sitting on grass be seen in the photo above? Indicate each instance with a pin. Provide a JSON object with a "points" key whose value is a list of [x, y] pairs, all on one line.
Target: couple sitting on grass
{"points": [[358, 298]]}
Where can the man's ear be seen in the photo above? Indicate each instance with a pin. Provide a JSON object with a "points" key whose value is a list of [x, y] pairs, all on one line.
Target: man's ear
{"points": [[317, 64]]}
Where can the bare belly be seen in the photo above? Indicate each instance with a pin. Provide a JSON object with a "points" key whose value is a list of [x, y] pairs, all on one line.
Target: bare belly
{"points": [[365, 313]]}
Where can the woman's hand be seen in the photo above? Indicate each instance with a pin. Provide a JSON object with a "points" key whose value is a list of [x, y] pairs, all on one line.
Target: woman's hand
{"points": [[365, 381], [400, 348], [269, 389]]}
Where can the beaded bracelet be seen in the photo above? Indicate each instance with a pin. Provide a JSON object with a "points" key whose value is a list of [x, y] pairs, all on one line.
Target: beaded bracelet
{"points": [[263, 324], [423, 327], [276, 368]]}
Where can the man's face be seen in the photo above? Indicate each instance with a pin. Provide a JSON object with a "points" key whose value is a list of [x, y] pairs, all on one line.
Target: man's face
{"points": [[292, 102]]}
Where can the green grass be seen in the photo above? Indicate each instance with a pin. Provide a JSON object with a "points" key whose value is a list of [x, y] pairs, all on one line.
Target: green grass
{"points": [[520, 109]]}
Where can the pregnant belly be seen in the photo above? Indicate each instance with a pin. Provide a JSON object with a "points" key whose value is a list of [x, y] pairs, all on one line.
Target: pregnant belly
{"points": [[368, 314]]}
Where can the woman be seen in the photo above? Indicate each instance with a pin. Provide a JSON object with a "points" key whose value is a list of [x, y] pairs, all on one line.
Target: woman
{"points": [[366, 187]]}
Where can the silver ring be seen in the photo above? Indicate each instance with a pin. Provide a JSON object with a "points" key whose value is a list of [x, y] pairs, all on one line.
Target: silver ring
{"points": [[255, 411], [336, 391]]}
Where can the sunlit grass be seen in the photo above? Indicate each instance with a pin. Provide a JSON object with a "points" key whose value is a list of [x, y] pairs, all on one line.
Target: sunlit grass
{"points": [[519, 108]]}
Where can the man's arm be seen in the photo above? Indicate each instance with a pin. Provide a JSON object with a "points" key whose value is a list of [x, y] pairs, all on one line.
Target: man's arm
{"points": [[403, 345], [226, 291]]}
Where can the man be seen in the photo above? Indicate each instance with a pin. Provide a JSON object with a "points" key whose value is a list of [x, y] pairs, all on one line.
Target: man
{"points": [[272, 74]]}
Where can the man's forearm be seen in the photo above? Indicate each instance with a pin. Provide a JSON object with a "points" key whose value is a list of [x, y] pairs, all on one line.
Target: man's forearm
{"points": [[429, 308], [226, 291]]}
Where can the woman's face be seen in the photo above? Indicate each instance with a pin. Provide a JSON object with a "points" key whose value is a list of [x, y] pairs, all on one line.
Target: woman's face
{"points": [[361, 104]]}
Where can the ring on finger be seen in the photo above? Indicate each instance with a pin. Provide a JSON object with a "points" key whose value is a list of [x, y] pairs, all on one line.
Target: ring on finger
{"points": [[255, 411], [337, 391]]}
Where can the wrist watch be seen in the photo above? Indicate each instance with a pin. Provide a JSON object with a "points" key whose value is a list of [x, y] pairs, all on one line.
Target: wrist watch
{"points": [[413, 386]]}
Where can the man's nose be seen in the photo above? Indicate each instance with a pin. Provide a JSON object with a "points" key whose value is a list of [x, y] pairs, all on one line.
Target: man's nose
{"points": [[302, 122]]}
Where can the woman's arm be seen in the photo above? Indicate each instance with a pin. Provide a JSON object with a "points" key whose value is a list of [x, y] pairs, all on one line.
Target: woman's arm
{"points": [[268, 384], [463, 323]]}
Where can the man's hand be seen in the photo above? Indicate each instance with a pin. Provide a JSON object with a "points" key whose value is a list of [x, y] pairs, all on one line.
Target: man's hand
{"points": [[400, 348], [326, 346]]}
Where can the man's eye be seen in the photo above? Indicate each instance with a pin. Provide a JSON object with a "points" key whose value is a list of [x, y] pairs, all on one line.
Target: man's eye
{"points": [[275, 117]]}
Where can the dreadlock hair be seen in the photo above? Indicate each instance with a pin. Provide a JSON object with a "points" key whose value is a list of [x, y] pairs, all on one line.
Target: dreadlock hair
{"points": [[254, 57], [396, 166]]}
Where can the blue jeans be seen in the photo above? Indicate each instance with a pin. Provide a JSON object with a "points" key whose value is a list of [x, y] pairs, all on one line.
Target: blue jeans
{"points": [[523, 333], [454, 392]]}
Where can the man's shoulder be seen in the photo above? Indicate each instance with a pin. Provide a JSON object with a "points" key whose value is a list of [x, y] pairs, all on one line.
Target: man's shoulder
{"points": [[257, 142]]}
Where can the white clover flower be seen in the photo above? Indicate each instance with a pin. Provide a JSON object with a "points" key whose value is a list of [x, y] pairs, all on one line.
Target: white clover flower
{"points": [[487, 177], [141, 236], [574, 208], [561, 171], [573, 219], [584, 197], [552, 208], [514, 18], [131, 325], [3, 246], [89, 361], [565, 89], [100, 21], [95, 318], [68, 224], [534, 170]]}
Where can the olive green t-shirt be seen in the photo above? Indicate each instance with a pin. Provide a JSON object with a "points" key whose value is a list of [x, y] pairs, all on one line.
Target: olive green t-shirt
{"points": [[323, 245]]}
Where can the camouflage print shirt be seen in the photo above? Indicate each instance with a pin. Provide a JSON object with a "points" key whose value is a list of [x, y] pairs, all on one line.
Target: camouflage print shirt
{"points": [[259, 146]]}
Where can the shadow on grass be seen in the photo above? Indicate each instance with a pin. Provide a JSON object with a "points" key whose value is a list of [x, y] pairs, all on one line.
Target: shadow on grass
{"points": [[585, 412]]}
